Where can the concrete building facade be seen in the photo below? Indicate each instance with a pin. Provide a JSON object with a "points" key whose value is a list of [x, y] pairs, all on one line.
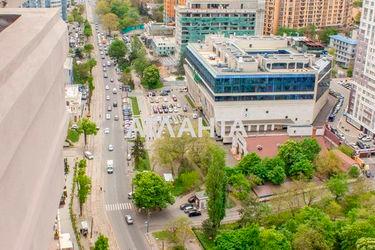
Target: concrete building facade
{"points": [[163, 46], [260, 81], [199, 18], [361, 108], [301, 13], [345, 49], [33, 123]]}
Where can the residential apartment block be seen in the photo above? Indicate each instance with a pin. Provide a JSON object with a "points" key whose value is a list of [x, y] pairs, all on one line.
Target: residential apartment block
{"points": [[199, 18], [301, 13], [169, 9], [259, 80], [345, 49], [361, 109], [33, 124]]}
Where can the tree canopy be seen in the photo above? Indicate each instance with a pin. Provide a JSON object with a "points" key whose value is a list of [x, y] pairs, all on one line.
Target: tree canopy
{"points": [[101, 243], [87, 127], [117, 50], [151, 191], [151, 77]]}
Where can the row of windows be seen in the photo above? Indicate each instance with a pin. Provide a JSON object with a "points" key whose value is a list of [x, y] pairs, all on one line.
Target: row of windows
{"points": [[263, 98], [253, 83]]}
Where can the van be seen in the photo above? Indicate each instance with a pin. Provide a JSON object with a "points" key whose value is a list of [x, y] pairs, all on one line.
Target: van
{"points": [[110, 166]]}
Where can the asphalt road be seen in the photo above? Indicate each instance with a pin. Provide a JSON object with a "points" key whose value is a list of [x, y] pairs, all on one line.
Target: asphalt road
{"points": [[117, 185]]}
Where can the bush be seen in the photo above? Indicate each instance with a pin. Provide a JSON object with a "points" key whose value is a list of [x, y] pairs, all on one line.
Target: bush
{"points": [[347, 150], [144, 163], [73, 135], [186, 182], [209, 229], [354, 172]]}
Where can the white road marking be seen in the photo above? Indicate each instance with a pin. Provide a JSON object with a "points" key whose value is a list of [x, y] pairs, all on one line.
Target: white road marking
{"points": [[119, 206]]}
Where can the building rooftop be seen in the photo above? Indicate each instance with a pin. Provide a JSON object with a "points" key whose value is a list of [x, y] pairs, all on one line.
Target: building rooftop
{"points": [[344, 39], [252, 54], [162, 40]]}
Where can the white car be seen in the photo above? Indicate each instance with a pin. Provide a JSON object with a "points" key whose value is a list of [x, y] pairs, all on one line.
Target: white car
{"points": [[366, 139], [106, 131], [110, 147], [111, 80], [88, 155], [129, 157], [108, 63], [195, 116], [175, 109], [107, 116], [114, 91], [107, 98], [106, 87]]}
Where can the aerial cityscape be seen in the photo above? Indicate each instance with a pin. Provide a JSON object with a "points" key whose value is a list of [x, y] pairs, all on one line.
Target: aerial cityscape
{"points": [[187, 124]]}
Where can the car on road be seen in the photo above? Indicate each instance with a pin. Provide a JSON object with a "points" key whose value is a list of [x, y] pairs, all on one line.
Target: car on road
{"points": [[106, 87], [129, 157], [129, 220], [106, 131], [189, 208], [114, 91], [88, 155], [185, 205], [366, 138], [194, 212], [115, 117], [175, 109], [110, 166], [108, 63], [105, 75], [195, 116], [107, 98], [111, 80], [130, 195], [361, 145], [74, 126], [104, 69], [174, 98], [184, 109], [107, 116], [115, 104], [109, 108], [110, 147]]}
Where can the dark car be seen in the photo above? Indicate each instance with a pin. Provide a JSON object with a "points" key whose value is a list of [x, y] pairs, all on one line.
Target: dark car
{"points": [[361, 145], [194, 213], [114, 104], [185, 205]]}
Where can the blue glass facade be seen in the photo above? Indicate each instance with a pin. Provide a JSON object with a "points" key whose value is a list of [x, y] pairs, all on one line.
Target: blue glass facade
{"points": [[256, 83]]}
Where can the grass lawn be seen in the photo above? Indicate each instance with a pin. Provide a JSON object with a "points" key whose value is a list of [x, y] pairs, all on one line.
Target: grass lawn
{"points": [[135, 106], [191, 103], [73, 135], [206, 243]]}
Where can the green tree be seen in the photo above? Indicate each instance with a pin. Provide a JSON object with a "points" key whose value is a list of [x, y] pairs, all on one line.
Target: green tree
{"points": [[138, 150], [117, 50], [290, 152], [354, 172], [307, 238], [87, 30], [110, 22], [81, 73], [126, 78], [91, 86], [349, 72], [328, 164], [354, 231], [151, 191], [151, 77], [365, 243], [275, 169], [140, 64], [91, 63], [216, 187], [301, 168], [248, 162], [101, 243], [338, 186], [88, 48], [87, 127], [102, 7], [240, 185], [324, 34], [357, 18], [253, 211], [310, 148], [157, 14], [180, 230], [271, 239], [84, 189], [244, 238]]}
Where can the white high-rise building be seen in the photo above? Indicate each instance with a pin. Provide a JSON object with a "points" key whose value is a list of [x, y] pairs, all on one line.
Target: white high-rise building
{"points": [[361, 110]]}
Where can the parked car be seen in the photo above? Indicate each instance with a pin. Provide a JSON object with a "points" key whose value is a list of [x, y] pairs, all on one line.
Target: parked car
{"points": [[106, 87], [110, 147], [115, 104], [194, 212], [360, 144], [116, 118], [188, 208], [185, 205], [129, 157], [107, 116], [129, 220], [88, 155], [130, 195]]}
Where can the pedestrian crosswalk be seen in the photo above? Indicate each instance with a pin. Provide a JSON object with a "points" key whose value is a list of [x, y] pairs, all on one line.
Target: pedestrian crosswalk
{"points": [[119, 206]]}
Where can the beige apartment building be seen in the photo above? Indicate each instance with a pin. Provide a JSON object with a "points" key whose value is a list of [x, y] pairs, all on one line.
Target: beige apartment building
{"points": [[33, 123], [301, 13]]}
